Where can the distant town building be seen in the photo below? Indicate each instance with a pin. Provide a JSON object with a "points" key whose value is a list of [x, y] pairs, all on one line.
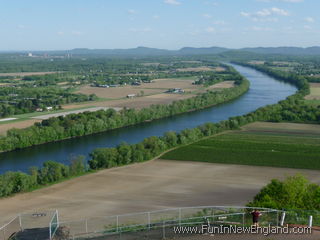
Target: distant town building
{"points": [[131, 96], [175, 90], [30, 55]]}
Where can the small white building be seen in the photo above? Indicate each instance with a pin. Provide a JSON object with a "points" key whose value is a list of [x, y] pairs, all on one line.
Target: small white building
{"points": [[131, 95]]}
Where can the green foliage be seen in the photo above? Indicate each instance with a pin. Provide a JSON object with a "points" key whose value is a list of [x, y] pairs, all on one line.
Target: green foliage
{"points": [[81, 124], [15, 182], [251, 150], [296, 192]]}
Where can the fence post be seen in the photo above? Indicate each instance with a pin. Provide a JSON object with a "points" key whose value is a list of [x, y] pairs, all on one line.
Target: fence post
{"points": [[117, 223], [180, 210], [86, 225], [283, 216], [310, 221], [243, 219], [4, 233], [277, 218], [20, 222], [149, 221], [163, 230], [50, 236]]}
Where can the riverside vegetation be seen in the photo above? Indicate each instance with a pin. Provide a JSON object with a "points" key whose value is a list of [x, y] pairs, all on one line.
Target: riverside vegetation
{"points": [[292, 109], [76, 125]]}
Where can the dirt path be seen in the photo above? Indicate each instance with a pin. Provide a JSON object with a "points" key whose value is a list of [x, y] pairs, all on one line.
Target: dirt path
{"points": [[148, 186]]}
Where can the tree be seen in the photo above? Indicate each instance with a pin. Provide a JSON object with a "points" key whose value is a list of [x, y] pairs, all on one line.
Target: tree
{"points": [[296, 192]]}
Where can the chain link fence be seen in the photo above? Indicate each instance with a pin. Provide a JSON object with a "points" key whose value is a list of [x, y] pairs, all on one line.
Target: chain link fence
{"points": [[33, 225], [148, 225], [161, 222]]}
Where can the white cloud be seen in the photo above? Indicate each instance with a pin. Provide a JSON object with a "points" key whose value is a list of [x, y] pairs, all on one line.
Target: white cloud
{"points": [[211, 3], [140, 30], [77, 33], [210, 29], [172, 2], [292, 1], [258, 29], [309, 19], [206, 15], [245, 14], [289, 1], [132, 11], [155, 16], [279, 11], [266, 14], [307, 27], [219, 22], [60, 33]]}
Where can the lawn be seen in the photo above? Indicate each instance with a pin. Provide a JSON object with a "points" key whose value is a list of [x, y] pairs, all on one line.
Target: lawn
{"points": [[254, 147]]}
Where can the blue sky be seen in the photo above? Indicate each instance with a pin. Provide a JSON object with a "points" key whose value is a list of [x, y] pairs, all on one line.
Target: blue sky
{"points": [[170, 24]]}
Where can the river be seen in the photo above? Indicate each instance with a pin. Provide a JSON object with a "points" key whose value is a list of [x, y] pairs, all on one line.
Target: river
{"points": [[263, 90]]}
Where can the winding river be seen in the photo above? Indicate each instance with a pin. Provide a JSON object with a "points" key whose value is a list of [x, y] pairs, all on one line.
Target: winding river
{"points": [[264, 90]]}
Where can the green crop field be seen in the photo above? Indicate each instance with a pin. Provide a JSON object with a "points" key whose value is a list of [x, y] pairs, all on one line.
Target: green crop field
{"points": [[254, 148]]}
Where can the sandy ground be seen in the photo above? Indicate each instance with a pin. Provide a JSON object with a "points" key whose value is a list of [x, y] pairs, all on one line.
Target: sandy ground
{"points": [[225, 84], [22, 74], [117, 92], [156, 87], [195, 69], [22, 124], [314, 92], [153, 185], [47, 116]]}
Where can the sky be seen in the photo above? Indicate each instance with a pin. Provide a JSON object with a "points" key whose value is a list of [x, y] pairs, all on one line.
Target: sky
{"points": [[167, 24]]}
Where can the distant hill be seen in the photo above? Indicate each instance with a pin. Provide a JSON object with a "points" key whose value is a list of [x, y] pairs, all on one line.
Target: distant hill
{"points": [[198, 51], [145, 51], [285, 50]]}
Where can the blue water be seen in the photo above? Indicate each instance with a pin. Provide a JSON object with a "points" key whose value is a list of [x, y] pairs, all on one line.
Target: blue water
{"points": [[264, 90]]}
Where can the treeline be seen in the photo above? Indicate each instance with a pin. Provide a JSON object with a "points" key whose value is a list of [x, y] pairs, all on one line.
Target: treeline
{"points": [[15, 182], [75, 125], [300, 81]]}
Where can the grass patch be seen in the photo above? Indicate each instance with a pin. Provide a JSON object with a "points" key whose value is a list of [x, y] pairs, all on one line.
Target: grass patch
{"points": [[259, 149], [312, 102]]}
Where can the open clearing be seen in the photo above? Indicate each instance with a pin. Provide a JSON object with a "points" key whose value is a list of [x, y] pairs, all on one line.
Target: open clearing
{"points": [[23, 74], [314, 92], [195, 69], [16, 124], [153, 93], [152, 185], [47, 116], [156, 87], [263, 144]]}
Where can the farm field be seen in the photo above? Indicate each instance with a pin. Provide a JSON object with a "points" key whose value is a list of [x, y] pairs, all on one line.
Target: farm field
{"points": [[23, 74], [153, 93], [260, 144], [153, 185], [314, 92]]}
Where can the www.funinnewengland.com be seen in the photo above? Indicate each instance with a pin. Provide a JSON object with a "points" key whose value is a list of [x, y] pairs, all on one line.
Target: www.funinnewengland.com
{"points": [[234, 229]]}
